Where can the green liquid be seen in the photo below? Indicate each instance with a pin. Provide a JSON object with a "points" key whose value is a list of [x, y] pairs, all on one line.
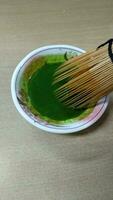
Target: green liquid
{"points": [[43, 99], [38, 94]]}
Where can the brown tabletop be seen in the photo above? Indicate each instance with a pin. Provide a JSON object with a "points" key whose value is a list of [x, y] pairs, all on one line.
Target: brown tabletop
{"points": [[38, 165]]}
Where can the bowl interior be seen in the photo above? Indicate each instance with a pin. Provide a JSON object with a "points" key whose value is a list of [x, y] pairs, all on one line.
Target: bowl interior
{"points": [[24, 71]]}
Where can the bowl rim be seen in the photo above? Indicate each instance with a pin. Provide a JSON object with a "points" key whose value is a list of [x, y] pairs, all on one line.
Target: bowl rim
{"points": [[22, 112]]}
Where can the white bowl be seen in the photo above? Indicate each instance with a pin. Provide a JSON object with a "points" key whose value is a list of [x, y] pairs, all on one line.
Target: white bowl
{"points": [[70, 127]]}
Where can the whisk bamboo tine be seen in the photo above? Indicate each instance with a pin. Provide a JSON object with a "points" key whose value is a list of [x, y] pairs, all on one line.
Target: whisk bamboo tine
{"points": [[69, 72], [86, 77], [93, 99], [81, 58], [84, 94], [90, 98], [78, 59], [75, 81], [83, 89]]}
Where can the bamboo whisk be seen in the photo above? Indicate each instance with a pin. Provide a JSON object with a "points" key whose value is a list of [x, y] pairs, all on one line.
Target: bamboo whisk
{"points": [[86, 78]]}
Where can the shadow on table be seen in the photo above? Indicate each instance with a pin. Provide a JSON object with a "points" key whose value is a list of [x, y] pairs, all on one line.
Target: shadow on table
{"points": [[96, 125]]}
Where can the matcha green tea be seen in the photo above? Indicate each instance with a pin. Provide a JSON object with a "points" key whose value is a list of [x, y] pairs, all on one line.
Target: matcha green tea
{"points": [[38, 93]]}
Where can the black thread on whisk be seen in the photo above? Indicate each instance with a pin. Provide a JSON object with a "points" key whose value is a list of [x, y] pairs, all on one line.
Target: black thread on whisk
{"points": [[109, 42]]}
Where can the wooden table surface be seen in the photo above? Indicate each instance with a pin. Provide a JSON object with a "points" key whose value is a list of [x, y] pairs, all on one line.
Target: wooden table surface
{"points": [[38, 165]]}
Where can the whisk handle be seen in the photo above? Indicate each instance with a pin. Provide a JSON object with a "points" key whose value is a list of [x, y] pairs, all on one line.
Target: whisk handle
{"points": [[110, 52]]}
